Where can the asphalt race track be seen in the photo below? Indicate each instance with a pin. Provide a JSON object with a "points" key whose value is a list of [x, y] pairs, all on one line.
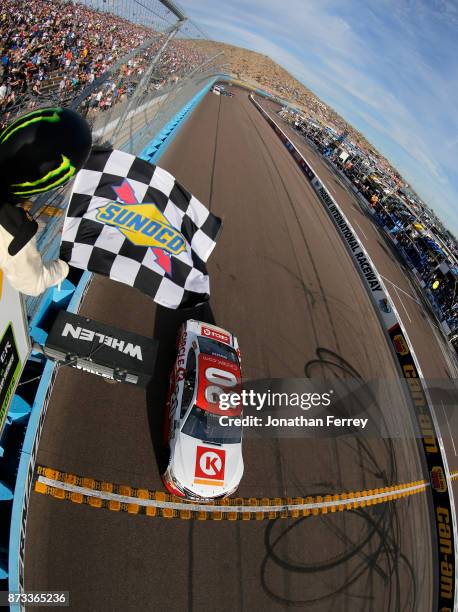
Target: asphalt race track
{"points": [[430, 348], [282, 281]]}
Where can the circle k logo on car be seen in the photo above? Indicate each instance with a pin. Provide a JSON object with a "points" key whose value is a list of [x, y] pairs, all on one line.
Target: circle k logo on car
{"points": [[210, 465]]}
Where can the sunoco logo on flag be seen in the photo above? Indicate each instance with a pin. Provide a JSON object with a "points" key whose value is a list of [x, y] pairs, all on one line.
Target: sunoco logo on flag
{"points": [[133, 221], [144, 225]]}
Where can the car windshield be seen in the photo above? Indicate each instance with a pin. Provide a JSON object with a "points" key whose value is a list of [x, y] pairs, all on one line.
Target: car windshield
{"points": [[217, 349], [206, 426]]}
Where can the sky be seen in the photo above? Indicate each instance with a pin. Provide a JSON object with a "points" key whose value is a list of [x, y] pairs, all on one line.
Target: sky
{"points": [[389, 67]]}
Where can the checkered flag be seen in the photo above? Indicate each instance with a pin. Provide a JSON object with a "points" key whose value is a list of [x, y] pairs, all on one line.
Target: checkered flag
{"points": [[132, 221]]}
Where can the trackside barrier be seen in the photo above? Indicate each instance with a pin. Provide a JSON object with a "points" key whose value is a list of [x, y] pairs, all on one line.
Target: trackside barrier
{"points": [[27, 461], [160, 143], [444, 517], [24, 479], [434, 306], [415, 275]]}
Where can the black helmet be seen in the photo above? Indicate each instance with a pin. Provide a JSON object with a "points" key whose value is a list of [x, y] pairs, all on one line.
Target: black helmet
{"points": [[42, 150]]}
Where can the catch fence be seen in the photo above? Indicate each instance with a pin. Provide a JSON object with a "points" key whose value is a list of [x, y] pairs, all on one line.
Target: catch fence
{"points": [[128, 66]]}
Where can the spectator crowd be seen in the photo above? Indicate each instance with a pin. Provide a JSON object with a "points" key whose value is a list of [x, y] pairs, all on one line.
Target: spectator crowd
{"points": [[435, 269], [52, 49], [417, 245], [420, 244]]}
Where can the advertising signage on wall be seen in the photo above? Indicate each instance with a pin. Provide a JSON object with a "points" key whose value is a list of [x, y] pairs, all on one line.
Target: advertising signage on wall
{"points": [[14, 344]]}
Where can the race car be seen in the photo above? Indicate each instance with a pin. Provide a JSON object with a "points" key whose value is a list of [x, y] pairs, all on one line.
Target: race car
{"points": [[203, 450]]}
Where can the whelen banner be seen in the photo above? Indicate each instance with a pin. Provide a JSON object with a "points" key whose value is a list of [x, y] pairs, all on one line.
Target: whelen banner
{"points": [[436, 461], [101, 350], [14, 344]]}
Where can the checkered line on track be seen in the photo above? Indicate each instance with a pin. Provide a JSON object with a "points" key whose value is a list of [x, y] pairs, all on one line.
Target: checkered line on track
{"points": [[123, 498]]}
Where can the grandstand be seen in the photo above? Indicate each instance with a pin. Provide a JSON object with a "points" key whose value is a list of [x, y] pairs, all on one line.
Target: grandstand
{"points": [[128, 83]]}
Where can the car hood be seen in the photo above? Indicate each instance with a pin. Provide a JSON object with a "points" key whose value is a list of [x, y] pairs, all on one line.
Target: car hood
{"points": [[206, 470]]}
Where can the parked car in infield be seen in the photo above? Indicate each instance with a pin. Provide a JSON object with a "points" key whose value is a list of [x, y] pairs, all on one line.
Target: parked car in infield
{"points": [[204, 457]]}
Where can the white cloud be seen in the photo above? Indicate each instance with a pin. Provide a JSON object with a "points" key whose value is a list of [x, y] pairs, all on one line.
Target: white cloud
{"points": [[392, 66]]}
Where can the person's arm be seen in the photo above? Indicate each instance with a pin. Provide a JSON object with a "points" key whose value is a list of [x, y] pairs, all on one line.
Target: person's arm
{"points": [[27, 273], [19, 258]]}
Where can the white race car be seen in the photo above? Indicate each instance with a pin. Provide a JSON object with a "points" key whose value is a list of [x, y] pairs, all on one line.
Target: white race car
{"points": [[204, 456]]}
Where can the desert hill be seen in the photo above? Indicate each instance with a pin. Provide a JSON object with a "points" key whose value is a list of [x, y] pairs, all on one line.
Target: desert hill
{"points": [[259, 70]]}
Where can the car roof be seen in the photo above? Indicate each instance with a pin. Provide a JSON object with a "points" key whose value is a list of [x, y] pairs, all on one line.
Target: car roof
{"points": [[222, 369]]}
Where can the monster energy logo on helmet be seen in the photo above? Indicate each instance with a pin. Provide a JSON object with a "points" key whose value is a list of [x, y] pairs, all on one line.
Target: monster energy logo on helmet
{"points": [[42, 150], [52, 179], [45, 114]]}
